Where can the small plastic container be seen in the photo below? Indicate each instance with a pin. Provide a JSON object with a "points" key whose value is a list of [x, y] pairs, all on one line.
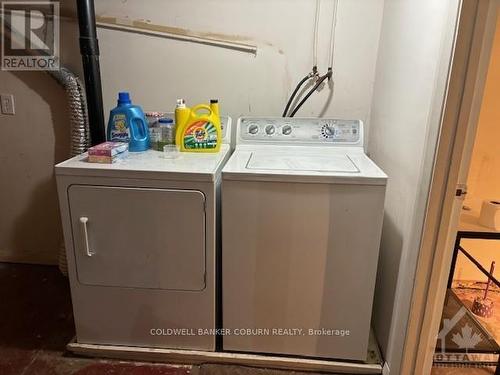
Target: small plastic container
{"points": [[167, 127], [155, 138], [154, 131], [170, 152], [163, 133]]}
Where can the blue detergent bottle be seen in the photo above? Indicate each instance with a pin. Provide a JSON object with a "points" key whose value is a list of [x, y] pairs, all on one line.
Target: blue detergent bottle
{"points": [[127, 123]]}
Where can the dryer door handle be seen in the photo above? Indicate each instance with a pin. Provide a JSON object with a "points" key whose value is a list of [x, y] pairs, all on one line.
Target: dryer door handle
{"points": [[84, 220]]}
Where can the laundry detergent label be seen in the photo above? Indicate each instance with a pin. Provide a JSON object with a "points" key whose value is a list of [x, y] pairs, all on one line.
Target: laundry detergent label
{"points": [[200, 134], [120, 132]]}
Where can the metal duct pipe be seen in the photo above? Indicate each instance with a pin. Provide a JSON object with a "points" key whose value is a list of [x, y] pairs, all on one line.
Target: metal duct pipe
{"points": [[75, 93], [89, 49]]}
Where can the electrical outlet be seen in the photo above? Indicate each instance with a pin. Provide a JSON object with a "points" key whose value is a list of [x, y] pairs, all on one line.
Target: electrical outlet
{"points": [[7, 101]]}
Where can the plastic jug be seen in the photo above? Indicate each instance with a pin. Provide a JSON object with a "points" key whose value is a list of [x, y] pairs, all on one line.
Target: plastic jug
{"points": [[198, 128], [127, 123]]}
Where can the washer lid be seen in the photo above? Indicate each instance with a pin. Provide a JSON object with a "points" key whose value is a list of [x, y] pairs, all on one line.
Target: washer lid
{"points": [[266, 160], [301, 164]]}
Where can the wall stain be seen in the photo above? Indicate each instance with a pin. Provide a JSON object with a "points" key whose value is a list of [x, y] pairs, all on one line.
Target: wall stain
{"points": [[147, 25]]}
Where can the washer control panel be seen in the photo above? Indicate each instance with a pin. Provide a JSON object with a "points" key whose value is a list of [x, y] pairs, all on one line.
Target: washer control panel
{"points": [[307, 130]]}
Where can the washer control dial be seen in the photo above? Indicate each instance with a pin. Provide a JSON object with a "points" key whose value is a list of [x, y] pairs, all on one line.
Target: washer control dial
{"points": [[253, 129], [270, 129], [328, 131], [286, 130]]}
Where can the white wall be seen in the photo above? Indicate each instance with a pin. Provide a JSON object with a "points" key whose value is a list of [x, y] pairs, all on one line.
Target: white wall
{"points": [[402, 138], [158, 70]]}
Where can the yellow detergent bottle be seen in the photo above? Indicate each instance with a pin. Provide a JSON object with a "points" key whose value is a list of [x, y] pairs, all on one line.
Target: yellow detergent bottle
{"points": [[198, 129]]}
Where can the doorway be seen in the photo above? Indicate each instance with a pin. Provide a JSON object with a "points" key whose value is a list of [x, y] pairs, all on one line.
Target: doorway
{"points": [[470, 326], [470, 84]]}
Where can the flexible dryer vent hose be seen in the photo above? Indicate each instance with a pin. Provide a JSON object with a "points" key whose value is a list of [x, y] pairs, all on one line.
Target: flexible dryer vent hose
{"points": [[79, 124], [77, 106]]}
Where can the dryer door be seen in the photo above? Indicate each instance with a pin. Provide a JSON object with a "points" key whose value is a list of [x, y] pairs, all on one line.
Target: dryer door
{"points": [[138, 237]]}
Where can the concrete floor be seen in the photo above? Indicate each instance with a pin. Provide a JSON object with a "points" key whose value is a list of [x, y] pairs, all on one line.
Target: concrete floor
{"points": [[37, 322]]}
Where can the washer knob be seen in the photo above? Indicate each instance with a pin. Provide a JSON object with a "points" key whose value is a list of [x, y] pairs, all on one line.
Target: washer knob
{"points": [[253, 129], [329, 130], [270, 129], [286, 130]]}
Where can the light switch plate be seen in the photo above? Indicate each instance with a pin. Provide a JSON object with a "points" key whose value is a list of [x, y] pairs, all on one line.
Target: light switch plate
{"points": [[7, 102]]}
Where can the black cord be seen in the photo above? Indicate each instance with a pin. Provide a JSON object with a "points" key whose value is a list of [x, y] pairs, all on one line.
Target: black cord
{"points": [[297, 88], [318, 83]]}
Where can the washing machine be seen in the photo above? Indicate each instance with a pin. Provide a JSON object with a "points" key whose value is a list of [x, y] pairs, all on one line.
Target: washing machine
{"points": [[142, 242], [302, 210]]}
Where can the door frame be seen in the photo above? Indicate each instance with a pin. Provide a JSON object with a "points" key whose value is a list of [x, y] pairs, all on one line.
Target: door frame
{"points": [[459, 116]]}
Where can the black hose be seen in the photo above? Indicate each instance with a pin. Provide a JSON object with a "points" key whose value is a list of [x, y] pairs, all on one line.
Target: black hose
{"points": [[318, 83], [89, 49], [297, 88]]}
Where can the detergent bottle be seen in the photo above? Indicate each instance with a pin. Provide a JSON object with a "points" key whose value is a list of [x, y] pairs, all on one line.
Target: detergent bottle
{"points": [[127, 123], [198, 128]]}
